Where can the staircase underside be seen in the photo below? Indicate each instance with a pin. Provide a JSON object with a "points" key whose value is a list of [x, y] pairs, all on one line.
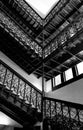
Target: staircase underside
{"points": [[15, 108]]}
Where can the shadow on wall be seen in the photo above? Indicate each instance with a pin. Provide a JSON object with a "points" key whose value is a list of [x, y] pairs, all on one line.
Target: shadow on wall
{"points": [[3, 127]]}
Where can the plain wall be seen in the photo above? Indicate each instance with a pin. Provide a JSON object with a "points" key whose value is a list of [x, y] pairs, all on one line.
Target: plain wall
{"points": [[72, 92]]}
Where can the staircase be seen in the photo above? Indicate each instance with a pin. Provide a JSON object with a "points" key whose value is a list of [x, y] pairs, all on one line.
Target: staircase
{"points": [[19, 99]]}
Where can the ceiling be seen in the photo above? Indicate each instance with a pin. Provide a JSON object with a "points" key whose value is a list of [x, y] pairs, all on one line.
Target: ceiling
{"points": [[30, 40]]}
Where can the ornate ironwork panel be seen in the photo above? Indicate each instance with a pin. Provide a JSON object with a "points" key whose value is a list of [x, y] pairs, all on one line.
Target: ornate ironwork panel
{"points": [[48, 108], [63, 115], [81, 115], [53, 111], [19, 86], [15, 84], [16, 32], [65, 111], [27, 94], [8, 79], [39, 99], [33, 98], [71, 30], [21, 89], [2, 73]]}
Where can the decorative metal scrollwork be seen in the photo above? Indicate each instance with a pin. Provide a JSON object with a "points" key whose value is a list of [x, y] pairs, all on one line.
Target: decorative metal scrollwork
{"points": [[16, 32], [19, 87], [8, 79], [33, 98], [27, 94], [63, 115], [65, 35], [39, 97], [15, 84], [2, 73]]}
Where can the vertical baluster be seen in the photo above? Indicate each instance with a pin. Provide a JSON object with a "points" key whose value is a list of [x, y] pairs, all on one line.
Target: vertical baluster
{"points": [[2, 73], [62, 115], [30, 94], [14, 86], [18, 86], [21, 89], [36, 98], [78, 117], [69, 123], [5, 76], [45, 108], [24, 91], [27, 94], [55, 112], [8, 79], [11, 81], [50, 108]]}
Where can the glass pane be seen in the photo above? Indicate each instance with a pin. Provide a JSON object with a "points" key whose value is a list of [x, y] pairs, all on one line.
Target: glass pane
{"points": [[80, 68], [68, 74], [58, 79]]}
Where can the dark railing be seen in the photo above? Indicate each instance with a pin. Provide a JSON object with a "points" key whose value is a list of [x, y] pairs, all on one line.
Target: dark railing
{"points": [[62, 115], [63, 39], [19, 86]]}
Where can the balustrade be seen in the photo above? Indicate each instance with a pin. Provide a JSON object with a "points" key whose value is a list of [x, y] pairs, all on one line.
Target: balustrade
{"points": [[63, 115], [70, 31], [15, 31], [19, 86]]}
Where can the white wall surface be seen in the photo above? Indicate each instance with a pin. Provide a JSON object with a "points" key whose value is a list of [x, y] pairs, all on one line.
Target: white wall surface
{"points": [[48, 86], [7, 121], [72, 92], [31, 78]]}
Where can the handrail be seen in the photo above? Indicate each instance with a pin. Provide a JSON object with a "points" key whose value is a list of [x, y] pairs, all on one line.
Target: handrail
{"points": [[20, 86], [68, 103]]}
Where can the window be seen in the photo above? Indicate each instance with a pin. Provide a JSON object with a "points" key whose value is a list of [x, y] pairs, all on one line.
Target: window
{"points": [[80, 68], [58, 80], [68, 74]]}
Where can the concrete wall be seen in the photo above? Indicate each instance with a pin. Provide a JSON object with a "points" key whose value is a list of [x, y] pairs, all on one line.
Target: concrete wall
{"points": [[72, 92], [31, 78]]}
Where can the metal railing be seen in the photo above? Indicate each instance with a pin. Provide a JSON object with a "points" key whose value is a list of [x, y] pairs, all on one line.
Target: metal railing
{"points": [[63, 115], [19, 86]]}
